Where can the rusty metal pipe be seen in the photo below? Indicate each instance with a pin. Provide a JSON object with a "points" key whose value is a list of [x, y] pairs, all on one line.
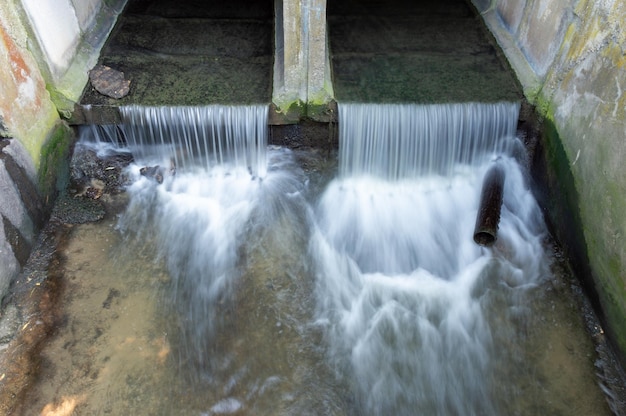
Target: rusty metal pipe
{"points": [[488, 216]]}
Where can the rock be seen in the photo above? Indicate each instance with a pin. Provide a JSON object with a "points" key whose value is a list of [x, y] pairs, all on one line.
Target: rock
{"points": [[102, 173], [153, 172], [93, 192], [108, 81]]}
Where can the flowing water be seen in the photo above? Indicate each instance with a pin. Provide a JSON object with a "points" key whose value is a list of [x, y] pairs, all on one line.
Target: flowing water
{"points": [[256, 280], [409, 300]]}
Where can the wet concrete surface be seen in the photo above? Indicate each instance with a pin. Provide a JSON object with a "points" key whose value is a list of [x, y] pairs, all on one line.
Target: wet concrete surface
{"points": [[189, 52], [415, 51], [195, 53]]}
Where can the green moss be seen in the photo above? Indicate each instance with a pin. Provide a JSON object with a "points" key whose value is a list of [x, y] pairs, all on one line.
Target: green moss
{"points": [[54, 166], [319, 111], [588, 249], [612, 300], [292, 112], [563, 201], [63, 104], [558, 195]]}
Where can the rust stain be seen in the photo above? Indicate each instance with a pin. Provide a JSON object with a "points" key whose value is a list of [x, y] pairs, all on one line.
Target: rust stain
{"points": [[19, 69]]}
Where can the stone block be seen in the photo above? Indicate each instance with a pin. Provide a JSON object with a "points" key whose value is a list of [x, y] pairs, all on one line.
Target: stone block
{"points": [[12, 207], [26, 108]]}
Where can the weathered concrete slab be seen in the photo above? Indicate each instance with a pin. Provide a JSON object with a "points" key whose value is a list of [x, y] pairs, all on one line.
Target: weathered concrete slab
{"points": [[191, 53], [421, 52]]}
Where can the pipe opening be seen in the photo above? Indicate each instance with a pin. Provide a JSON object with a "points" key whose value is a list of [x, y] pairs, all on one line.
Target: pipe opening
{"points": [[488, 216]]}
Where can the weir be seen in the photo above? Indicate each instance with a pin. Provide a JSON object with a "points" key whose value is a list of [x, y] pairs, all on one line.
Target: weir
{"points": [[303, 287], [191, 268], [395, 141]]}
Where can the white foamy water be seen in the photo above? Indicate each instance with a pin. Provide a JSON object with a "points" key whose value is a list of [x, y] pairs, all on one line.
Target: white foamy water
{"points": [[372, 300], [201, 222], [404, 293], [216, 187]]}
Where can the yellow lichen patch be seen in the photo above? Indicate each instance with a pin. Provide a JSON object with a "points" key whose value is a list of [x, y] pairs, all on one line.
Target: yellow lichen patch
{"points": [[618, 15], [584, 40], [573, 40], [615, 53]]}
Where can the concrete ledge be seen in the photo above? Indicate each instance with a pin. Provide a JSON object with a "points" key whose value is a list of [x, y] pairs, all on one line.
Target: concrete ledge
{"points": [[530, 81], [109, 114]]}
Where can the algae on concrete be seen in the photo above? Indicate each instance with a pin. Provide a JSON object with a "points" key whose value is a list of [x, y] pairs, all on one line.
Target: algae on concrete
{"points": [[188, 53], [415, 52], [55, 160]]}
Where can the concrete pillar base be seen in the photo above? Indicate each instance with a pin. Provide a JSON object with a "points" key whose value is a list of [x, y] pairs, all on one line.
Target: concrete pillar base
{"points": [[302, 81]]}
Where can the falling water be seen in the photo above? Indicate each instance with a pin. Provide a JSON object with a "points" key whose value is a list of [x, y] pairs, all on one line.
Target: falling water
{"points": [[222, 189], [188, 137], [396, 141], [406, 298], [369, 299]]}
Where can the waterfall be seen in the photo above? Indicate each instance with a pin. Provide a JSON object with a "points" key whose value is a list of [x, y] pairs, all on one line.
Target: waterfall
{"points": [[393, 141], [186, 137], [405, 296], [225, 188], [416, 318]]}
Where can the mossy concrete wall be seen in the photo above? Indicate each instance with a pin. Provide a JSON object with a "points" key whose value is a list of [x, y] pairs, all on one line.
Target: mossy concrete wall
{"points": [[46, 51], [570, 56]]}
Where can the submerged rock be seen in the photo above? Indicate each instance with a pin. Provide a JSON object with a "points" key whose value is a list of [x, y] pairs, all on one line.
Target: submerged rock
{"points": [[153, 172], [88, 170]]}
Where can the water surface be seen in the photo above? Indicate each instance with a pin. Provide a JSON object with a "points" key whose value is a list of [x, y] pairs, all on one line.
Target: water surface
{"points": [[298, 286]]}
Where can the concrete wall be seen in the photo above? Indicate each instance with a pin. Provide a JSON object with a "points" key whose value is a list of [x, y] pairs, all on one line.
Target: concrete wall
{"points": [[46, 50], [570, 56]]}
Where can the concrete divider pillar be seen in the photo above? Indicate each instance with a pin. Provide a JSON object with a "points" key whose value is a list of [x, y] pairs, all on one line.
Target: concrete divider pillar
{"points": [[302, 80]]}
